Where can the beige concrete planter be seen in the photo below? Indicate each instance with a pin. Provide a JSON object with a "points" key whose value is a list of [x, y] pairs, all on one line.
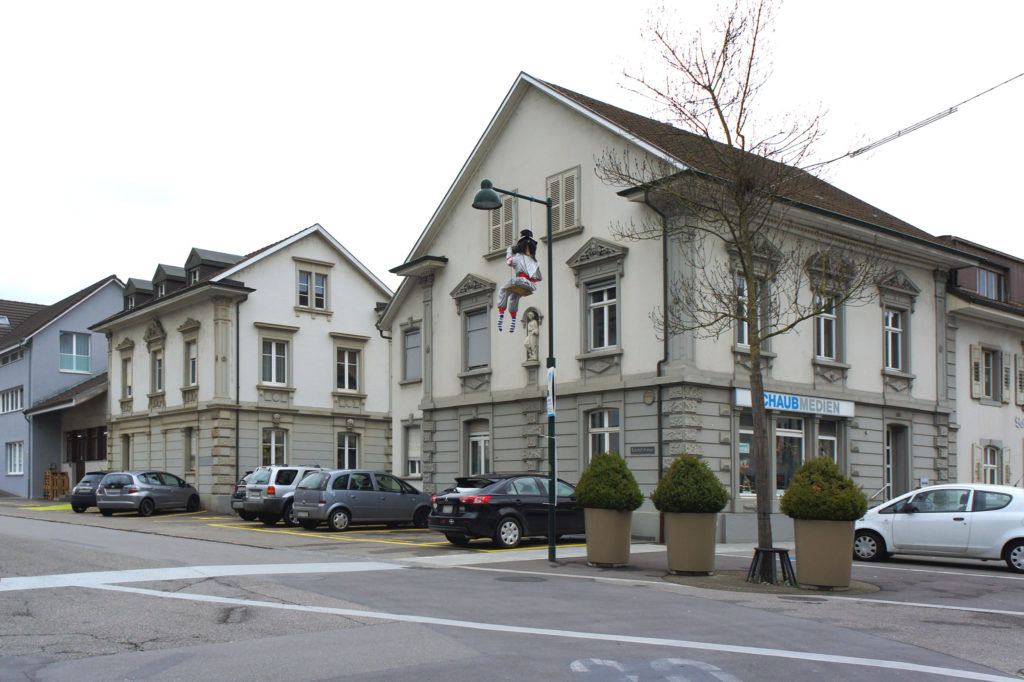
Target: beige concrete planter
{"points": [[690, 543], [608, 536], [824, 552]]}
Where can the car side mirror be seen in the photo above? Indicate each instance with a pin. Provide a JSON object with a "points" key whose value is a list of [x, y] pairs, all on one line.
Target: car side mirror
{"points": [[910, 509]]}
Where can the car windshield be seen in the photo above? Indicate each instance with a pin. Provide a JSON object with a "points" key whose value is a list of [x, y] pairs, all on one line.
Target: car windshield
{"points": [[314, 481], [91, 479]]}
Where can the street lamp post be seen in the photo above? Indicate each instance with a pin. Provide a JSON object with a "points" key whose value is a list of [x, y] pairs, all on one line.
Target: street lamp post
{"points": [[487, 199]]}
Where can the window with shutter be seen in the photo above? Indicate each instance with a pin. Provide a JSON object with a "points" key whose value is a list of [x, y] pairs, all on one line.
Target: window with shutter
{"points": [[1007, 377], [563, 190], [1019, 364], [503, 224], [976, 385]]}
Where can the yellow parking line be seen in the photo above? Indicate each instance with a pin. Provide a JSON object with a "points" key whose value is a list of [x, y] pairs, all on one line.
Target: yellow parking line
{"points": [[52, 507]]}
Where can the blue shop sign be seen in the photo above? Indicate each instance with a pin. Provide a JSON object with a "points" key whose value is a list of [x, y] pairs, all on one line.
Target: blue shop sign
{"points": [[789, 402]]}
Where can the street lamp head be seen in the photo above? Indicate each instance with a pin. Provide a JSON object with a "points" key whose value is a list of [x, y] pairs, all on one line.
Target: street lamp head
{"points": [[486, 199]]}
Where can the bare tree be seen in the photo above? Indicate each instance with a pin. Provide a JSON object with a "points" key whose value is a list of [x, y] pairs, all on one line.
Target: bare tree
{"points": [[726, 197]]}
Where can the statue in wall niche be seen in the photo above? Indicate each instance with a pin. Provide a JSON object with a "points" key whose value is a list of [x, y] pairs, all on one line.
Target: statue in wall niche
{"points": [[531, 322], [522, 258]]}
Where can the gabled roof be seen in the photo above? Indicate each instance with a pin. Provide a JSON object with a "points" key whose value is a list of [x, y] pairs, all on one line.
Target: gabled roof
{"points": [[16, 312], [45, 316], [197, 256], [142, 286], [680, 149], [164, 271], [316, 228]]}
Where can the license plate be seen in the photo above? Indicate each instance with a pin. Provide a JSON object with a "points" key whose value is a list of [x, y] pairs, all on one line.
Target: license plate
{"points": [[253, 494], [301, 514], [447, 508]]}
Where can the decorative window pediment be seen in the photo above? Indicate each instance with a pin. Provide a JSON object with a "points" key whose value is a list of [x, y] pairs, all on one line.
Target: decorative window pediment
{"points": [[896, 289], [597, 258], [829, 272], [472, 291], [188, 325], [766, 255], [126, 345], [155, 335]]}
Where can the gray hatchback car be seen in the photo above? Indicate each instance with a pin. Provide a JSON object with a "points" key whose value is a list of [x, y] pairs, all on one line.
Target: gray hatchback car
{"points": [[144, 492], [345, 497]]}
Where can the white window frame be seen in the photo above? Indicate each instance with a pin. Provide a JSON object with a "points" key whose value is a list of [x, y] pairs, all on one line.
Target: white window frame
{"points": [[14, 456], [278, 356], [12, 400], [191, 363], [604, 309], [894, 333], [75, 356], [826, 329], [480, 459], [793, 434], [157, 371], [347, 362], [274, 441], [602, 434], [126, 377], [413, 450], [348, 450], [193, 275], [312, 290], [831, 438], [742, 301], [991, 284], [992, 465]]}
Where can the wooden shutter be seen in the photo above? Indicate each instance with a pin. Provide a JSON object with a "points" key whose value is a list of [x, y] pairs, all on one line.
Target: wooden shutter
{"points": [[563, 192], [977, 389], [555, 194], [977, 459], [503, 224], [1004, 361], [1019, 363]]}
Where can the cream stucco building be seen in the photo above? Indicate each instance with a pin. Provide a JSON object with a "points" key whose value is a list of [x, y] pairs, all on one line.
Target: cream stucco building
{"points": [[468, 398]]}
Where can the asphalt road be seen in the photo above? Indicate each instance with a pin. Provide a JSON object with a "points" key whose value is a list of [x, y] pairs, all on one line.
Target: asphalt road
{"points": [[178, 596]]}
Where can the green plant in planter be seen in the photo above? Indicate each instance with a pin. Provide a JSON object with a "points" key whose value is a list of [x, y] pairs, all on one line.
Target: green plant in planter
{"points": [[819, 491], [607, 483], [690, 487]]}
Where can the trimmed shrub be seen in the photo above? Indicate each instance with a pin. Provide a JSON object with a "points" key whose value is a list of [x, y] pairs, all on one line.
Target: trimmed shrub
{"points": [[690, 487], [607, 483], [819, 491]]}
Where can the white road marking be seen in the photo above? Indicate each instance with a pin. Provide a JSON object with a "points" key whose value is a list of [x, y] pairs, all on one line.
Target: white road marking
{"points": [[97, 578], [574, 634]]}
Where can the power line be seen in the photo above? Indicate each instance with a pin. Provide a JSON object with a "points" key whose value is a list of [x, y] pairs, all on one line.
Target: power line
{"points": [[920, 124]]}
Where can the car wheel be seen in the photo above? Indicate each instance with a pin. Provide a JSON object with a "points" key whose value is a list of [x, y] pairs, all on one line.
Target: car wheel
{"points": [[339, 519], [1014, 556], [288, 516], [193, 504], [246, 516], [458, 540], [146, 507], [308, 525], [419, 519], [868, 546], [106, 512], [77, 508], [509, 533], [269, 519]]}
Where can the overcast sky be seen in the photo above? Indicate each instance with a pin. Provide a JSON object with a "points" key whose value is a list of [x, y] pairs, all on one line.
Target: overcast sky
{"points": [[131, 132]]}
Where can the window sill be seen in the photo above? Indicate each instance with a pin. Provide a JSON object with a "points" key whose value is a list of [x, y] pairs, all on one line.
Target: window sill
{"points": [[990, 402], [600, 353], [829, 362], [275, 387], [744, 349], [313, 312], [74, 371], [476, 372], [898, 374], [410, 382]]}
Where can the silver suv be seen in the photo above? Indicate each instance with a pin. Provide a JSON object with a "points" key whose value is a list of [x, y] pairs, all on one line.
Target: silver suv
{"points": [[269, 492]]}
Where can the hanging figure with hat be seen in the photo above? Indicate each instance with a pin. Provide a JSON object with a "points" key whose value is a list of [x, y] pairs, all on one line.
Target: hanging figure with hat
{"points": [[522, 258]]}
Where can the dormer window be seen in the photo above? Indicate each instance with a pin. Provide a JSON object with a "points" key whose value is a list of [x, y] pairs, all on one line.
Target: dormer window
{"points": [[991, 284], [193, 276], [129, 302], [161, 289]]}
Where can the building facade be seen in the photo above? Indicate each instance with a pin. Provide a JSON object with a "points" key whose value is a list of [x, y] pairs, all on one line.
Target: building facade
{"points": [[985, 308], [48, 352], [865, 384], [269, 358]]}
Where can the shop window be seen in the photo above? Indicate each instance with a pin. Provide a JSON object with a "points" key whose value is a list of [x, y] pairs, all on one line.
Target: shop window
{"points": [[603, 432], [789, 449]]}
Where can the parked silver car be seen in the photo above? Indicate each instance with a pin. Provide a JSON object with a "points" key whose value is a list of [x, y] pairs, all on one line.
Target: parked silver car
{"points": [[144, 492], [345, 497], [269, 491]]}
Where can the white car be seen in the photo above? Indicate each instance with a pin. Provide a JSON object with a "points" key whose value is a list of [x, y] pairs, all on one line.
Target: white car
{"points": [[968, 520]]}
